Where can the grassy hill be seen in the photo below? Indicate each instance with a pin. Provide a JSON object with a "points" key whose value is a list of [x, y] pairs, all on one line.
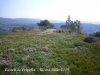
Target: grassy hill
{"points": [[32, 52]]}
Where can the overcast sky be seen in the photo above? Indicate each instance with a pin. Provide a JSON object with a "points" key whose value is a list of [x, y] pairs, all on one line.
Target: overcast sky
{"points": [[84, 10]]}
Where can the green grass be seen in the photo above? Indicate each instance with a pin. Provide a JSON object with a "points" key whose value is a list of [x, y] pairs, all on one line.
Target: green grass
{"points": [[60, 52]]}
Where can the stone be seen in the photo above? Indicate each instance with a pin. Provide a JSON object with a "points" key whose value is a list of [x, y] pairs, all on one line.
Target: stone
{"points": [[45, 48], [10, 50], [25, 58]]}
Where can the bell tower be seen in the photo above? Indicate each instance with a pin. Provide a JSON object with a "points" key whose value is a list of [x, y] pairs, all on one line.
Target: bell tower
{"points": [[68, 17], [68, 22]]}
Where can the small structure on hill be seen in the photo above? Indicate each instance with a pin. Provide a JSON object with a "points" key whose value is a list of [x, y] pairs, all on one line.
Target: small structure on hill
{"points": [[68, 23]]}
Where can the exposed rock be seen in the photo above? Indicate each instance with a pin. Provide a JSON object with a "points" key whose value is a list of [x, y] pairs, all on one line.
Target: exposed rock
{"points": [[78, 49], [48, 31], [0, 54], [34, 49], [0, 58], [18, 52], [24, 50], [42, 53], [30, 50], [5, 61], [25, 58], [35, 45], [45, 48], [75, 48], [10, 50]]}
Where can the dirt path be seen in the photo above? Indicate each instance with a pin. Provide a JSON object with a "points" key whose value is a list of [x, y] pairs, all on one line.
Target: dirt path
{"points": [[48, 31]]}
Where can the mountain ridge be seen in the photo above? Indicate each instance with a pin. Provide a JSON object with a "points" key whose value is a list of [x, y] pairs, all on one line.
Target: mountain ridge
{"points": [[6, 24]]}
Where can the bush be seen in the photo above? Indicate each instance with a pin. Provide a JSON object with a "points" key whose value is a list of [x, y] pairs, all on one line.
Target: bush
{"points": [[97, 34], [45, 24], [14, 29], [69, 31], [89, 39]]}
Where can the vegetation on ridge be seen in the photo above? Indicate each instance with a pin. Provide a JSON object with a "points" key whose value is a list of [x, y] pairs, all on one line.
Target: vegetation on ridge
{"points": [[45, 24]]}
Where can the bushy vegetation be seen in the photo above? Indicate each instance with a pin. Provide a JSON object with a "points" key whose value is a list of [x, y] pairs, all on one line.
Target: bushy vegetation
{"points": [[22, 28], [45, 24], [76, 26], [89, 39], [31, 49], [97, 34]]}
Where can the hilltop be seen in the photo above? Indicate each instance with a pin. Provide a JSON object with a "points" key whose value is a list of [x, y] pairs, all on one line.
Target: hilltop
{"points": [[48, 49]]}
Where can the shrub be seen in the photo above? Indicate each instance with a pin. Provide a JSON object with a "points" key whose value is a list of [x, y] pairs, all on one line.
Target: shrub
{"points": [[45, 24], [97, 34], [69, 31], [89, 39]]}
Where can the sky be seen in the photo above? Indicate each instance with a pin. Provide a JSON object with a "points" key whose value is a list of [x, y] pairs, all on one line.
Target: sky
{"points": [[83, 10]]}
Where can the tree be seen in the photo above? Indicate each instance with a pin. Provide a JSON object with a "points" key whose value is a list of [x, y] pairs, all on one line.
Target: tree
{"points": [[14, 29], [73, 27], [24, 28], [97, 34], [45, 24], [76, 26]]}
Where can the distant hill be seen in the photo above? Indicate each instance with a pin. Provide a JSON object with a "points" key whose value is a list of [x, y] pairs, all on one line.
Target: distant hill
{"points": [[2, 30], [18, 20], [6, 24], [90, 28], [23, 20]]}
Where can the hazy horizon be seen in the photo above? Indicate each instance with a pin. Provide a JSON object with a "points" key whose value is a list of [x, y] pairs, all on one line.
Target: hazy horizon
{"points": [[84, 10]]}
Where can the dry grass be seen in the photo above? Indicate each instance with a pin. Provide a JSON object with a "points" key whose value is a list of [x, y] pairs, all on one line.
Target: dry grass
{"points": [[61, 30]]}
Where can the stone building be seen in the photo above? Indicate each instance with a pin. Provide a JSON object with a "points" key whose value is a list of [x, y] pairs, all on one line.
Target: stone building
{"points": [[68, 23]]}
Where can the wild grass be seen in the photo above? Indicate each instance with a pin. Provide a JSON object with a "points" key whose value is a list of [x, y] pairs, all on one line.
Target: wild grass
{"points": [[54, 50]]}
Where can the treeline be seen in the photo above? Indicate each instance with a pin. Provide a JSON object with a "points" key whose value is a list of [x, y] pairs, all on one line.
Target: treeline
{"points": [[43, 24]]}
